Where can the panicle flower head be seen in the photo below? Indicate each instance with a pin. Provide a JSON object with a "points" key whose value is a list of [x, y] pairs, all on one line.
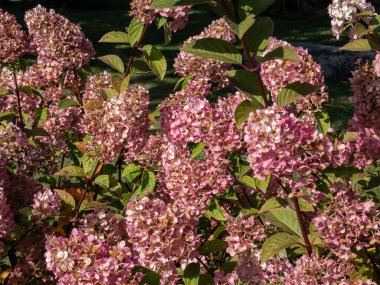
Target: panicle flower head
{"points": [[14, 147], [279, 143], [366, 99], [37, 76], [316, 270], [6, 216], [222, 278], [162, 234], [190, 182], [46, 203], [187, 122], [59, 43], [177, 16], [59, 121], [366, 87], [248, 269], [343, 12], [278, 73], [119, 123], [95, 85], [188, 117], [348, 223], [13, 40], [151, 153], [214, 71], [224, 136], [88, 256], [243, 231]]}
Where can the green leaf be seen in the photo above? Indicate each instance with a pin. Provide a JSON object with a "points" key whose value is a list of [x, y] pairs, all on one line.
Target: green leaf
{"points": [[213, 246], [257, 36], [191, 274], [182, 82], [110, 93], [66, 198], [148, 182], [293, 92], [155, 60], [249, 212], [364, 270], [305, 206], [375, 24], [262, 184], [199, 147], [160, 22], [159, 4], [255, 7], [115, 37], [360, 45], [40, 116], [323, 121], [139, 66], [248, 181], [284, 52], [89, 164], [71, 171], [124, 83], [65, 103], [151, 278], [151, 181], [206, 279], [37, 132], [91, 205], [131, 168], [215, 49], [135, 30], [285, 219], [275, 243], [7, 116], [5, 91], [107, 182], [244, 81], [168, 34], [273, 203], [350, 136], [113, 61], [241, 28], [243, 110], [215, 211]]}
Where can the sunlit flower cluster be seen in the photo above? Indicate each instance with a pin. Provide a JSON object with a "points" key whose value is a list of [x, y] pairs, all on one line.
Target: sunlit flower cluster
{"points": [[97, 187], [46, 203], [88, 256], [118, 124], [243, 231], [13, 40], [278, 73], [280, 144], [366, 99], [187, 64], [177, 17], [58, 42], [190, 182], [343, 12], [348, 223], [162, 234]]}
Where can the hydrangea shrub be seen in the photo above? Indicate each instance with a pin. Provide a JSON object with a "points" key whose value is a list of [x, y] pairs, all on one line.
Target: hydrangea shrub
{"points": [[237, 177]]}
